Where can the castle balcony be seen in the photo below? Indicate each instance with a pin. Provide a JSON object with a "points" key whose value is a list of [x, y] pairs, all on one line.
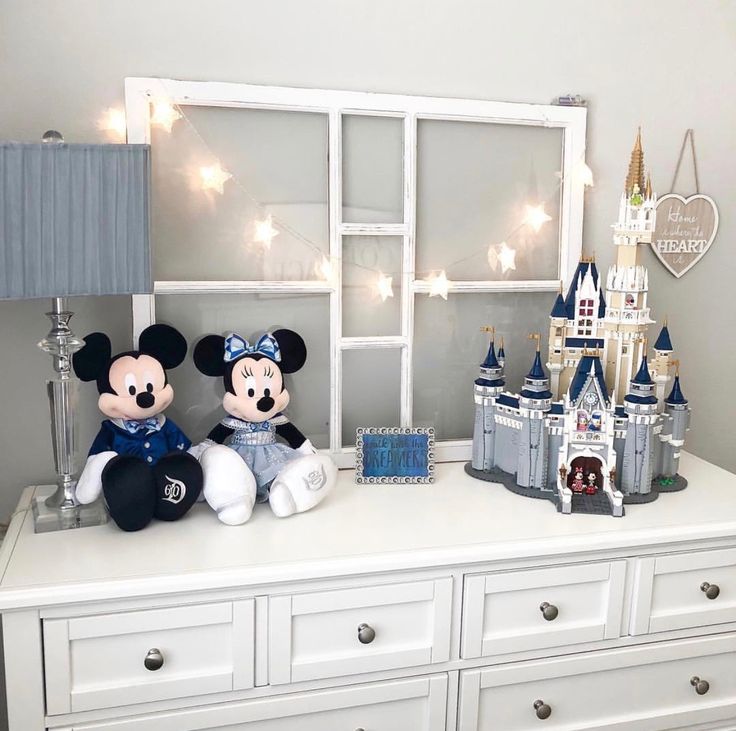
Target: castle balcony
{"points": [[588, 437], [619, 316]]}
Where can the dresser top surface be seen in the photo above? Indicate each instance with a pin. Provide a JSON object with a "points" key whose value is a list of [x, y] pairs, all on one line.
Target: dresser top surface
{"points": [[358, 529]]}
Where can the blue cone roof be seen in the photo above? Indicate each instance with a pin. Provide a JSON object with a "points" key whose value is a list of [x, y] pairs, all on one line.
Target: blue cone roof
{"points": [[643, 375], [663, 341], [676, 396], [501, 352], [537, 371], [558, 310], [491, 361]]}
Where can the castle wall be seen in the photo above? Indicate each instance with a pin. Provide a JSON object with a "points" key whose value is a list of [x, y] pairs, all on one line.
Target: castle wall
{"points": [[484, 436], [532, 457], [554, 444], [507, 447], [638, 462]]}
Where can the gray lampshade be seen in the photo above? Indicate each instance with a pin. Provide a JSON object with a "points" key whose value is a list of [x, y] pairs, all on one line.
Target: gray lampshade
{"points": [[74, 220]]}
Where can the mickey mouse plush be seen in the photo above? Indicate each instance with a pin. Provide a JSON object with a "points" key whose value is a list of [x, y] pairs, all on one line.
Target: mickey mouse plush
{"points": [[139, 459], [290, 475]]}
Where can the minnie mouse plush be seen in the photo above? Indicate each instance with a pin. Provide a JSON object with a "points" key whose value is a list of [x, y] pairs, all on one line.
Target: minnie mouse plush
{"points": [[139, 459], [290, 475]]}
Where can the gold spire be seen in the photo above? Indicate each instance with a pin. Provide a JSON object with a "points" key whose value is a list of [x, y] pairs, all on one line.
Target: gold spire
{"points": [[501, 346], [537, 337], [489, 329], [636, 167], [648, 192]]}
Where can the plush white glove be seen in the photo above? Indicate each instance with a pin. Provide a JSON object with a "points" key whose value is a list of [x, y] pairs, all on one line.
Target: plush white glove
{"points": [[229, 486], [89, 485], [306, 448], [196, 450]]}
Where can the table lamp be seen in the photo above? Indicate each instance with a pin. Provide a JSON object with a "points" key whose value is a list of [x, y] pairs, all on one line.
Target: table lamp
{"points": [[74, 220]]}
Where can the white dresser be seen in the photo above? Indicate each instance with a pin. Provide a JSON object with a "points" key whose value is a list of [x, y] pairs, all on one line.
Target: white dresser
{"points": [[453, 606]]}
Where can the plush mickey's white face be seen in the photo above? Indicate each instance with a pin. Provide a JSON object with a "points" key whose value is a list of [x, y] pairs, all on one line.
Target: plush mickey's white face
{"points": [[259, 392], [140, 389]]}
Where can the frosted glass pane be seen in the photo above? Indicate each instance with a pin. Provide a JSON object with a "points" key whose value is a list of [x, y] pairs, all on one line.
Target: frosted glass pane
{"points": [[279, 163], [449, 346], [371, 390], [197, 404], [364, 258], [372, 169], [473, 182]]}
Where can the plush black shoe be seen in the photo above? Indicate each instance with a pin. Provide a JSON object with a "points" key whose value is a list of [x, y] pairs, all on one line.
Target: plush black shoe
{"points": [[130, 492]]}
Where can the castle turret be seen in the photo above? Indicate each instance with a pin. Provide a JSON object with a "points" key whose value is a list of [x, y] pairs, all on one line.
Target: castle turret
{"points": [[501, 353], [488, 386], [627, 284], [557, 319], [535, 400], [640, 406], [662, 357], [677, 408]]}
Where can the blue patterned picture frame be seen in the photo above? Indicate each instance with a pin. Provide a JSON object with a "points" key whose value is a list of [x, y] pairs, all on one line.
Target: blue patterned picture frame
{"points": [[394, 455]]}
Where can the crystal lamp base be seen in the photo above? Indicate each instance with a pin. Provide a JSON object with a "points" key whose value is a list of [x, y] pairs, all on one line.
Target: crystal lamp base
{"points": [[47, 519]]}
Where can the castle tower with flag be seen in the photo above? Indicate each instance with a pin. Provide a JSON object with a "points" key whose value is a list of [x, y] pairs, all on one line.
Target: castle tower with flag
{"points": [[598, 431]]}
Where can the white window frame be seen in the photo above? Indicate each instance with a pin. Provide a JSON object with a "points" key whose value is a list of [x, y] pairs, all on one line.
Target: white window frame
{"points": [[335, 104]]}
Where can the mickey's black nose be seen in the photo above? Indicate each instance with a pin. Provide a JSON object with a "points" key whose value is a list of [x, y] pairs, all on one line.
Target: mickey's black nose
{"points": [[145, 400], [265, 403]]}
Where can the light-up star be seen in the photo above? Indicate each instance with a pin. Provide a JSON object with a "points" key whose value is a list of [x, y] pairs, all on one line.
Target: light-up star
{"points": [[265, 232], [536, 217], [507, 257], [384, 286], [164, 114], [113, 121], [438, 285], [214, 178]]}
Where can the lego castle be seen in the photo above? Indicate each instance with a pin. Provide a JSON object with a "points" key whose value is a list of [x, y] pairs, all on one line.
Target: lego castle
{"points": [[606, 426]]}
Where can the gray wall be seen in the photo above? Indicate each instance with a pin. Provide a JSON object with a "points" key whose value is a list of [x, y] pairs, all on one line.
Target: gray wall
{"points": [[665, 64]]}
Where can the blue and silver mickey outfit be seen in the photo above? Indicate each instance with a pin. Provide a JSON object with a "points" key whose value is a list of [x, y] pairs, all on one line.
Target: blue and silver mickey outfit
{"points": [[256, 443], [149, 439]]}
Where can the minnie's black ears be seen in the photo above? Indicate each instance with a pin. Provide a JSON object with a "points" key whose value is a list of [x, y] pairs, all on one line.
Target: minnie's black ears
{"points": [[164, 343], [92, 360], [209, 355], [293, 350]]}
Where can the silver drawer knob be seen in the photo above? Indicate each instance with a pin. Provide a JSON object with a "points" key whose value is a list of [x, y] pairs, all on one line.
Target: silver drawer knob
{"points": [[549, 611], [701, 686], [543, 710], [366, 634], [154, 660], [710, 590]]}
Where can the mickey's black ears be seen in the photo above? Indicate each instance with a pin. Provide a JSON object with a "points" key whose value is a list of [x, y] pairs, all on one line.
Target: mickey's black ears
{"points": [[92, 360], [293, 350], [209, 355], [165, 343]]}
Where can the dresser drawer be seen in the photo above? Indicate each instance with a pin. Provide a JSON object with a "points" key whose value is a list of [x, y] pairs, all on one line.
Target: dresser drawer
{"points": [[418, 704], [649, 688], [532, 609], [117, 659], [334, 633], [684, 590]]}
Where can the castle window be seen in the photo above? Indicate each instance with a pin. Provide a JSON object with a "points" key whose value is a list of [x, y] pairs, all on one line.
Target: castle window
{"points": [[586, 308]]}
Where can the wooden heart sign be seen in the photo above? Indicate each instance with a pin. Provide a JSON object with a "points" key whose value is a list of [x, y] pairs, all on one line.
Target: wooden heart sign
{"points": [[684, 231]]}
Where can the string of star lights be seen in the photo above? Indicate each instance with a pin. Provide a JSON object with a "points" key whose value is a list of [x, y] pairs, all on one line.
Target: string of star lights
{"points": [[214, 177]]}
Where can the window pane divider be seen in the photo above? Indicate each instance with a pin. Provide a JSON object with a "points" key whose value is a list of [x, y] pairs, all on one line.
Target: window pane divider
{"points": [[378, 341], [374, 229], [420, 286], [243, 287]]}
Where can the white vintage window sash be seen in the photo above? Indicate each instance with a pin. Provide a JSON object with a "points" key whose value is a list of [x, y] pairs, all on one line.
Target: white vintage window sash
{"points": [[335, 104]]}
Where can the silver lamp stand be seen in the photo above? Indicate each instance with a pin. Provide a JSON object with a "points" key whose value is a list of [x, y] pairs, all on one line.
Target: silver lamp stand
{"points": [[61, 510]]}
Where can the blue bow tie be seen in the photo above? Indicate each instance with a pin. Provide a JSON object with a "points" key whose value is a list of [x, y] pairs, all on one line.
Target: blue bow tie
{"points": [[134, 425], [235, 346]]}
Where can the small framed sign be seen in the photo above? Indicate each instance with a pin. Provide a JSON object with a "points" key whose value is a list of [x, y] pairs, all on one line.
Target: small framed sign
{"points": [[394, 455]]}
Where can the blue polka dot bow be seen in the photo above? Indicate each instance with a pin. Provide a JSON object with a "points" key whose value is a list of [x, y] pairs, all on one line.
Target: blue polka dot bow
{"points": [[236, 346]]}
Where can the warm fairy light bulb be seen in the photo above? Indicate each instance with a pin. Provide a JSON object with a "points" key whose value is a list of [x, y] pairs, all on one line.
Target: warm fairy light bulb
{"points": [[384, 286], [507, 257], [326, 270], [213, 177], [536, 217], [113, 121], [164, 114], [438, 285], [265, 232]]}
